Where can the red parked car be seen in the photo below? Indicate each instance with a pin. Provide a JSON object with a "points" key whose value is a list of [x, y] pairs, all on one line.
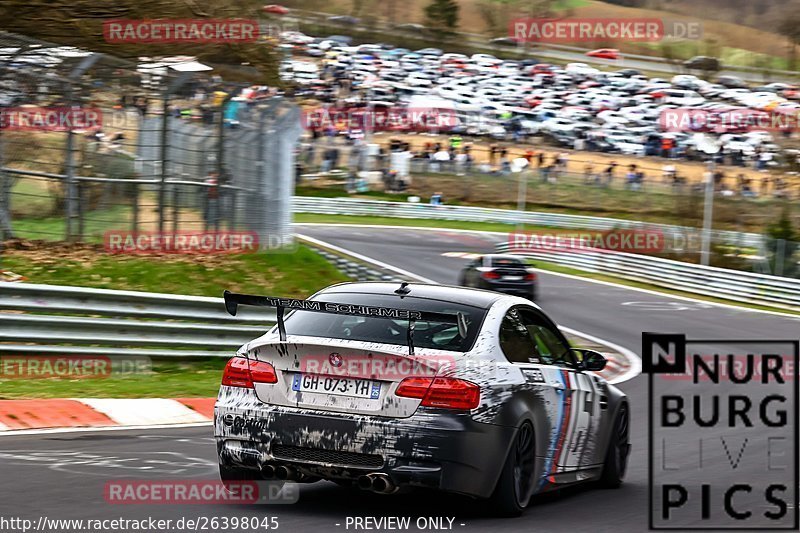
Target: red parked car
{"points": [[276, 9], [541, 68], [604, 53]]}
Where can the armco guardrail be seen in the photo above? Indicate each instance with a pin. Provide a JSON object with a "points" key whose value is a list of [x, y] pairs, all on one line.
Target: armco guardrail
{"points": [[59, 320], [709, 281], [351, 206]]}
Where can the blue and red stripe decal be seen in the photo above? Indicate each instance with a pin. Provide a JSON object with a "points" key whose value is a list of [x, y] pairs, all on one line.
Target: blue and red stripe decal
{"points": [[559, 434]]}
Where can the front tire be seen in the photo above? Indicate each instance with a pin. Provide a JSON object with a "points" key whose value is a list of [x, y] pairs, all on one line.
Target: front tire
{"points": [[516, 484], [616, 462]]}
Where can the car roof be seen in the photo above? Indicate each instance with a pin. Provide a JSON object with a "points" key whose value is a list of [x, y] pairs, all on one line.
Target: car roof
{"points": [[451, 293]]}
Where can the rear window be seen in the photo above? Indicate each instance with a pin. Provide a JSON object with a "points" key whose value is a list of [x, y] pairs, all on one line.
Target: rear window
{"points": [[435, 335], [506, 261]]}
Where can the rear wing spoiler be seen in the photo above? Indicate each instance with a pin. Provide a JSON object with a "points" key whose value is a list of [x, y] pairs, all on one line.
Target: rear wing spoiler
{"points": [[234, 300]]}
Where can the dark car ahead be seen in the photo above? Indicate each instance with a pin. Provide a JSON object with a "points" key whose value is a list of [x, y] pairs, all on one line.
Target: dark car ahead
{"points": [[508, 274], [703, 63]]}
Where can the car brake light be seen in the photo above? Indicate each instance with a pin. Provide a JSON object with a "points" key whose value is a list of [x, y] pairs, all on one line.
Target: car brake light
{"points": [[413, 387], [261, 372], [490, 274], [530, 276], [446, 393], [242, 372], [237, 373]]}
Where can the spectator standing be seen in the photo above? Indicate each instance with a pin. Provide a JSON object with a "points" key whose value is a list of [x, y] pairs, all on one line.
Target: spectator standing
{"points": [[630, 177], [666, 147], [609, 173], [588, 173]]}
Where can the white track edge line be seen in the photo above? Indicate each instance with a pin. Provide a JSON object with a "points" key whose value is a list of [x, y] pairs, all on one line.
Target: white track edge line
{"points": [[14, 432]]}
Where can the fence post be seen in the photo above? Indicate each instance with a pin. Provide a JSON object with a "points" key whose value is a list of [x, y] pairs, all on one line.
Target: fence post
{"points": [[780, 256], [81, 202], [171, 88], [71, 196], [135, 206], [6, 231], [72, 188], [175, 208], [163, 142]]}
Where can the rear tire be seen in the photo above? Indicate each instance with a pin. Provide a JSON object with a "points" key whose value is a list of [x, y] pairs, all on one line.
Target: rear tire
{"points": [[516, 484], [616, 462]]}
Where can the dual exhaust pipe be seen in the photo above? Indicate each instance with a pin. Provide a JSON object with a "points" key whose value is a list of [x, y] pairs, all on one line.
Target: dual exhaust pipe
{"points": [[380, 483], [284, 473]]}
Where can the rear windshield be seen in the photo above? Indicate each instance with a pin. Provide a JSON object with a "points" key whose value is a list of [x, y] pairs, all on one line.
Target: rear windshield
{"points": [[386, 330], [506, 261]]}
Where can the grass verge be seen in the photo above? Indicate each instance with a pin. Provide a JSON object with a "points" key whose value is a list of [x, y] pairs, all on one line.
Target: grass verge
{"points": [[410, 222], [167, 378], [295, 274]]}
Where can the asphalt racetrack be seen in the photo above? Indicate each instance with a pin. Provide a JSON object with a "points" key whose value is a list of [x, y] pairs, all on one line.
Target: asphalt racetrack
{"points": [[62, 475]]}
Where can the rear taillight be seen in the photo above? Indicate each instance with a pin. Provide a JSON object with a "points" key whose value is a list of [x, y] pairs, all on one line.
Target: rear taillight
{"points": [[261, 372], [413, 387], [446, 393], [530, 276], [490, 274], [237, 373], [242, 372]]}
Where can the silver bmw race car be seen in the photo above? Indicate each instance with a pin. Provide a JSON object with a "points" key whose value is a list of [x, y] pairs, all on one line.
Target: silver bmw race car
{"points": [[386, 386]]}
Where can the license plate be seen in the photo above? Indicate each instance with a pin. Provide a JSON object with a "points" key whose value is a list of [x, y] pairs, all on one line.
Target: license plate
{"points": [[355, 388], [512, 278]]}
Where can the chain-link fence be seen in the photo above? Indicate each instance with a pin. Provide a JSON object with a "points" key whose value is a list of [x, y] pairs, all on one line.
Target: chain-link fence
{"points": [[91, 144]]}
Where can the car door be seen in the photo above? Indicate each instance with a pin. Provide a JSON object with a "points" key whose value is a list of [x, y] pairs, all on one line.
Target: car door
{"points": [[578, 395]]}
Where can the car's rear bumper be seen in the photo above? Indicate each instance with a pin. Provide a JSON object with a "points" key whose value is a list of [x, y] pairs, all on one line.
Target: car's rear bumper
{"points": [[433, 448], [526, 289]]}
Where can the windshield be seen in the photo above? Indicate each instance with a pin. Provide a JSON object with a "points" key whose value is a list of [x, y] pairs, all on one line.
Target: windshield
{"points": [[435, 335]]}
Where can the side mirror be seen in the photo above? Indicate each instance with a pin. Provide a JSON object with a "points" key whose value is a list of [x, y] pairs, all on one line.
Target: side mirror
{"points": [[589, 360]]}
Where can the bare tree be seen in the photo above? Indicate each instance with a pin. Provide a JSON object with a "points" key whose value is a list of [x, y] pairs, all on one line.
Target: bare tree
{"points": [[80, 23]]}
